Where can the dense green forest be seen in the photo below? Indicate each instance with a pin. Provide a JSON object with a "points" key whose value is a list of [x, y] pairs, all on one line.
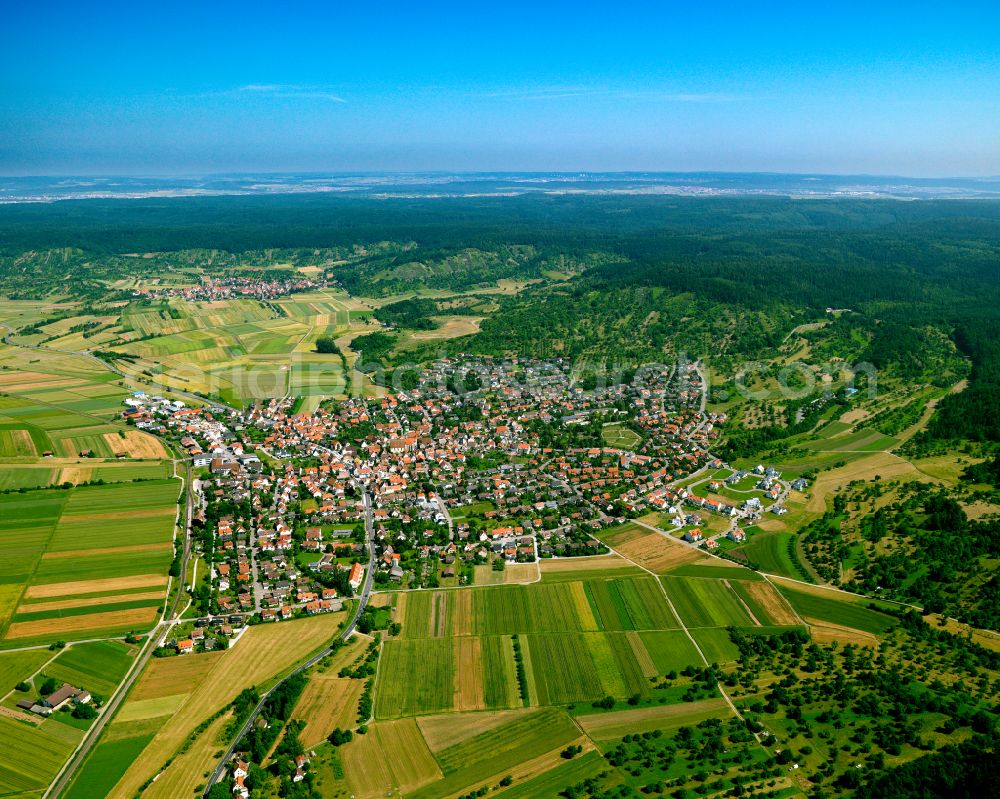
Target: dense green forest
{"points": [[612, 279], [413, 313]]}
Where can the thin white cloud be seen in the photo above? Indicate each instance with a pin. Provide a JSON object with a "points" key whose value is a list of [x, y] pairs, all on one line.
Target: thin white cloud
{"points": [[291, 91]]}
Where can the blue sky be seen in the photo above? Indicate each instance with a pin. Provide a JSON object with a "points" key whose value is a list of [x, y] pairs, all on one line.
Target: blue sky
{"points": [[188, 88]]}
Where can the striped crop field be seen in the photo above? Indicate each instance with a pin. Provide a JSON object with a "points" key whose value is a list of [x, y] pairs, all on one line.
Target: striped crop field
{"points": [[629, 604], [90, 559], [704, 602]]}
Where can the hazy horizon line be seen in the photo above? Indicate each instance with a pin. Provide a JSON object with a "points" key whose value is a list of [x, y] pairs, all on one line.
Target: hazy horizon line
{"points": [[484, 172]]}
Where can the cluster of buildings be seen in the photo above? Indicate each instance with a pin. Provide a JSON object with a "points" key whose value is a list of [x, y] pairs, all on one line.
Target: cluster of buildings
{"points": [[484, 460], [257, 287], [63, 697]]}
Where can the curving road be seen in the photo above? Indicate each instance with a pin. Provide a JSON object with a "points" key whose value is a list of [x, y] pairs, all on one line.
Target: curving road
{"points": [[363, 598]]}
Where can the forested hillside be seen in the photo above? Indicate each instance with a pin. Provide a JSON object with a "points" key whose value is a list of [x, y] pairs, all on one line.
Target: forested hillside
{"points": [[610, 279]]}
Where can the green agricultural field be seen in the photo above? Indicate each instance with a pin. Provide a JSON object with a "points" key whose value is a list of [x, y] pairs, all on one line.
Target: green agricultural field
{"points": [[629, 604], [13, 477], [430, 614], [79, 534], [568, 668], [863, 440], [33, 755], [670, 650], [567, 655], [705, 602], [20, 440], [628, 669], [716, 645], [582, 667], [494, 752], [101, 566], [509, 609], [29, 521], [98, 666], [499, 676], [552, 784], [847, 612], [415, 677], [17, 666], [123, 472], [120, 745], [587, 575], [772, 553], [312, 378], [99, 517]]}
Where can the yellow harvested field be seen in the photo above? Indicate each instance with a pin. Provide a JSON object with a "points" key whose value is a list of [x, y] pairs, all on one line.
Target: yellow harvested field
{"points": [[400, 613], [77, 553], [439, 621], [185, 772], [468, 674], [642, 656], [262, 653], [17, 715], [883, 464], [136, 444], [774, 604], [134, 617], [95, 586], [165, 677], [829, 633], [449, 327], [150, 708], [328, 702], [622, 722], [21, 439], [15, 382], [513, 573], [75, 474], [583, 609], [65, 604], [977, 510], [658, 552], [463, 613], [449, 729], [392, 757], [985, 638], [520, 573], [591, 563]]}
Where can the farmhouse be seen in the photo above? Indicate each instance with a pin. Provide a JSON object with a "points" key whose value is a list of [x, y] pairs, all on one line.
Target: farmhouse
{"points": [[62, 696]]}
